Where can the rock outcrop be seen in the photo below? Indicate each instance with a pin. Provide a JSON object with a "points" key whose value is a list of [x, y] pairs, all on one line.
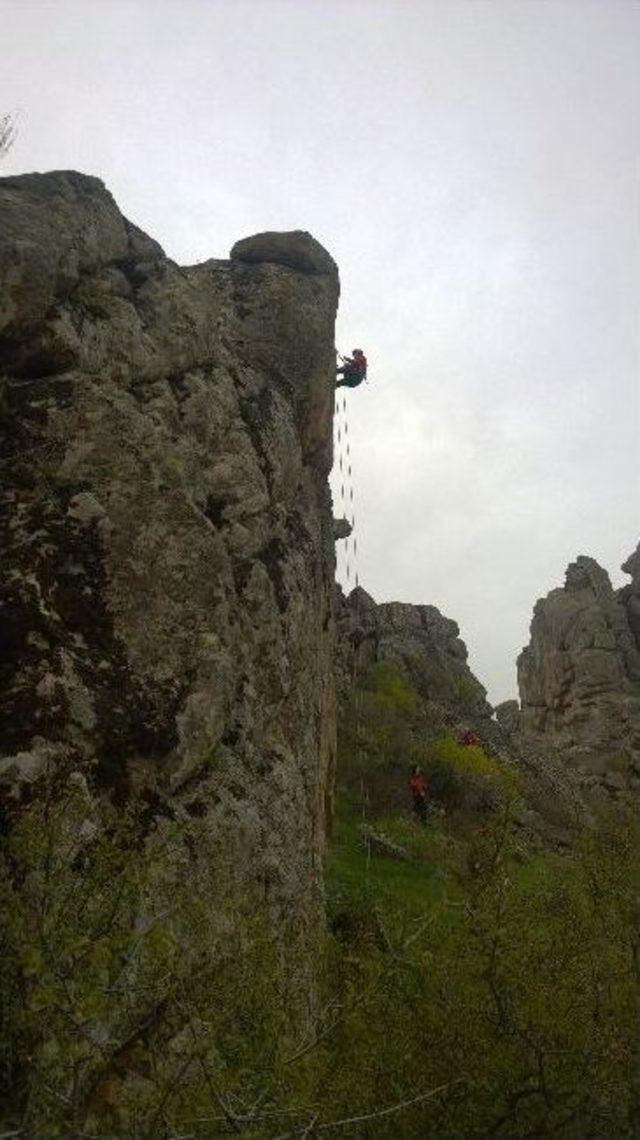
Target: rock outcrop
{"points": [[423, 644], [579, 677], [168, 560], [342, 528], [507, 715], [426, 649], [629, 595]]}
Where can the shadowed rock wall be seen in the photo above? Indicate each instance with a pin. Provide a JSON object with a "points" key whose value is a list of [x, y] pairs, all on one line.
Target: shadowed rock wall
{"points": [[167, 571]]}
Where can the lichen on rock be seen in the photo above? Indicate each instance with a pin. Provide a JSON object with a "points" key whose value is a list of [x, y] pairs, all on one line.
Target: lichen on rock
{"points": [[168, 558]]}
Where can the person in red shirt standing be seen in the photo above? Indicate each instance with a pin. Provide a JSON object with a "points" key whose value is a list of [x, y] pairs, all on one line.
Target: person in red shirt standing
{"points": [[353, 370], [419, 788]]}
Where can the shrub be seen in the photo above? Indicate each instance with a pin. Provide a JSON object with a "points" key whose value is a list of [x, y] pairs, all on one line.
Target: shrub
{"points": [[129, 987], [511, 989], [466, 779], [381, 725]]}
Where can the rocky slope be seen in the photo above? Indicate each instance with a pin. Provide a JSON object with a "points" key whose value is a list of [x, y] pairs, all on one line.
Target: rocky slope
{"points": [[167, 574], [579, 677], [423, 644]]}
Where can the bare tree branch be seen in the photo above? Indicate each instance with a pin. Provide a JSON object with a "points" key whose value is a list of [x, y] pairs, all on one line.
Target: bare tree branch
{"points": [[7, 133], [377, 1115]]}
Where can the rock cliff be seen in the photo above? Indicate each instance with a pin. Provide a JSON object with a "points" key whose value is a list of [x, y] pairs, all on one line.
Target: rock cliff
{"points": [[167, 574], [423, 644], [579, 678]]}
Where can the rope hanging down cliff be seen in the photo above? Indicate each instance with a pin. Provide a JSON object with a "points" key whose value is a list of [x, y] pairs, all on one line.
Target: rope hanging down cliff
{"points": [[351, 373], [346, 491], [345, 470]]}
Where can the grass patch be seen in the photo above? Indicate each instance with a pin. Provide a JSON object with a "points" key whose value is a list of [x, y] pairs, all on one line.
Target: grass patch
{"points": [[353, 878]]}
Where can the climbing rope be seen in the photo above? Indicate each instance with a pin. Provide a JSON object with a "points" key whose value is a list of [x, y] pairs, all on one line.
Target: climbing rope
{"points": [[348, 556], [345, 475]]}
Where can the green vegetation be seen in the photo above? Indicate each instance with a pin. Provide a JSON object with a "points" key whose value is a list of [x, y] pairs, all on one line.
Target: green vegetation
{"points": [[465, 780], [382, 724], [480, 989], [119, 959], [508, 978], [384, 728], [504, 977]]}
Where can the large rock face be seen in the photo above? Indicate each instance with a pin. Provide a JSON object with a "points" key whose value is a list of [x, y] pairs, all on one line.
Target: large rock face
{"points": [[167, 572], [420, 641], [579, 677]]}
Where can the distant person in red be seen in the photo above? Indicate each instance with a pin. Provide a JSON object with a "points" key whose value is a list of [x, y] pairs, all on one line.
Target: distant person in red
{"points": [[469, 739], [353, 369], [419, 788]]}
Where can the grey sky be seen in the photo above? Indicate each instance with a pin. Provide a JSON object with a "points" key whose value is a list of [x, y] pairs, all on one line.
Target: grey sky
{"points": [[473, 166]]}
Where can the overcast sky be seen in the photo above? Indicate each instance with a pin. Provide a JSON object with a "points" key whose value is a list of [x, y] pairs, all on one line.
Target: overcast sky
{"points": [[473, 166]]}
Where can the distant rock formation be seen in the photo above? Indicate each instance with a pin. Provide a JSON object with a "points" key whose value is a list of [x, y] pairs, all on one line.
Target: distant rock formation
{"points": [[630, 595], [579, 678], [168, 558], [426, 649], [423, 644], [507, 715]]}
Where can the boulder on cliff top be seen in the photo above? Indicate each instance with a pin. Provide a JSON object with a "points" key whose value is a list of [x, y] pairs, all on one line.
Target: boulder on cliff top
{"points": [[296, 249]]}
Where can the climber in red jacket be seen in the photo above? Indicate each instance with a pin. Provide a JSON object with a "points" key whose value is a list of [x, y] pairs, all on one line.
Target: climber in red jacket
{"points": [[419, 788], [353, 369]]}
